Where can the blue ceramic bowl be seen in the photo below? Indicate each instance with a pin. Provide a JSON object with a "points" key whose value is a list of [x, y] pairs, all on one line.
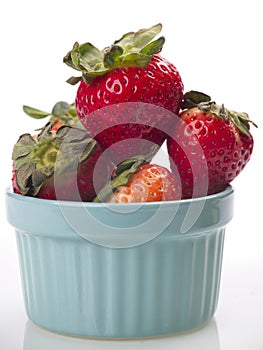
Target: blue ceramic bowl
{"points": [[120, 270]]}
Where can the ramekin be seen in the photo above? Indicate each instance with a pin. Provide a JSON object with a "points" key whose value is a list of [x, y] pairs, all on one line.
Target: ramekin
{"points": [[120, 270]]}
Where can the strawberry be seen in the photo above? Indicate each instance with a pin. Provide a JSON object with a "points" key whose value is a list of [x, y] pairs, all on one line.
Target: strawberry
{"points": [[62, 114], [210, 146], [57, 165], [138, 181], [127, 92]]}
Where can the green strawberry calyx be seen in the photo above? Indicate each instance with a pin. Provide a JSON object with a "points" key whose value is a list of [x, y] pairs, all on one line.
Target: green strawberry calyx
{"points": [[61, 111], [36, 159], [204, 103], [122, 174], [133, 49]]}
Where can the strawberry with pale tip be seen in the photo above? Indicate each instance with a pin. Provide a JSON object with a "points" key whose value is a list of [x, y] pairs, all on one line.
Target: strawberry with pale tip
{"points": [[136, 180]]}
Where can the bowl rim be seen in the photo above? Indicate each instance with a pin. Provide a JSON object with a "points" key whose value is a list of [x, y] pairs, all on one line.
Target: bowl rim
{"points": [[109, 226], [10, 193]]}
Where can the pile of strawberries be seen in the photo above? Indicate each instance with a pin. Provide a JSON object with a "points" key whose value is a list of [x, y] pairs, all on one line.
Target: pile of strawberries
{"points": [[129, 102]]}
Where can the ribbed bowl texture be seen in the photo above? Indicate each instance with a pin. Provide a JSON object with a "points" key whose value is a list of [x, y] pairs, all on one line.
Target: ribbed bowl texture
{"points": [[120, 270]]}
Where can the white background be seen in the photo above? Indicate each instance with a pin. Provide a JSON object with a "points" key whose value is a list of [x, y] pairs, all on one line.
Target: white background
{"points": [[217, 47]]}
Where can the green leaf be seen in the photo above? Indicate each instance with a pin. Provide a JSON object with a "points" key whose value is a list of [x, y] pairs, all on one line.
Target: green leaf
{"points": [[144, 158], [90, 55], [197, 96], [38, 177], [135, 60], [123, 172], [67, 59], [140, 38], [60, 109], [112, 56], [72, 111], [154, 47], [193, 98], [45, 131], [240, 123], [23, 147], [21, 161], [35, 113], [245, 118], [89, 76], [128, 163], [120, 180], [84, 57], [74, 80], [75, 147], [144, 36], [125, 40], [75, 57], [23, 177]]}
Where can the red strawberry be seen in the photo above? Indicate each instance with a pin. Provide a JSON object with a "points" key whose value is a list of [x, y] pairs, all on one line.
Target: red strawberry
{"points": [[138, 181], [62, 114], [210, 146], [58, 166], [127, 92]]}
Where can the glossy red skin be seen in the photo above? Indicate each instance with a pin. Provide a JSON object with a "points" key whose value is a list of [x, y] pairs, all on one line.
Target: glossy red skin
{"points": [[63, 187], [156, 183], [159, 84], [207, 152]]}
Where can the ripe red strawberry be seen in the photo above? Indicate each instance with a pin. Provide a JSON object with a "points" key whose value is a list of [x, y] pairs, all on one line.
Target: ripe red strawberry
{"points": [[210, 146], [62, 114], [58, 165], [138, 181], [127, 92]]}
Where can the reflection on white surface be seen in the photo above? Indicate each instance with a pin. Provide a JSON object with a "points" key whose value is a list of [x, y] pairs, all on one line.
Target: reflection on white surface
{"points": [[206, 338]]}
